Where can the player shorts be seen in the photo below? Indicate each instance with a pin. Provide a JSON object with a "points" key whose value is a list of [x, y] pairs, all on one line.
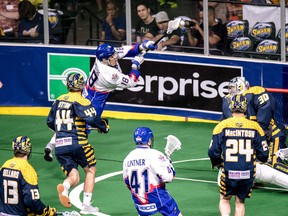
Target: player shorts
{"points": [[83, 156], [240, 188], [169, 209], [98, 99]]}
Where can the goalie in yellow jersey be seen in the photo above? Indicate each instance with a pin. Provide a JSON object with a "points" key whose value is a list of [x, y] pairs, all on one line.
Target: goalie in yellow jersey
{"points": [[19, 193]]}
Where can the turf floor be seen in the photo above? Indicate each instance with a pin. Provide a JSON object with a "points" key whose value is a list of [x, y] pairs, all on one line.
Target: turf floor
{"points": [[194, 189]]}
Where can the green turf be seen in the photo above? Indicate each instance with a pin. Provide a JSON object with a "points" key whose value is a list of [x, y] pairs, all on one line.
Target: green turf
{"points": [[111, 195]]}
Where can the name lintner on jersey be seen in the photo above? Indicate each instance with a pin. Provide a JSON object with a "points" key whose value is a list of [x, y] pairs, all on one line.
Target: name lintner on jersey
{"points": [[241, 133], [138, 162]]}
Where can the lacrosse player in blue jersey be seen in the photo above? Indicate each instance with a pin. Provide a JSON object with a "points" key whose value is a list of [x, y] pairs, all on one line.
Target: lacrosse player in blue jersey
{"points": [[145, 172], [262, 108], [19, 192], [106, 76], [236, 142], [68, 117]]}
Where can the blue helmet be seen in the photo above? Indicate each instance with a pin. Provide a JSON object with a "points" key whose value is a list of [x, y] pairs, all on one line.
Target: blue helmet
{"points": [[143, 135], [104, 51], [238, 103], [75, 82]]}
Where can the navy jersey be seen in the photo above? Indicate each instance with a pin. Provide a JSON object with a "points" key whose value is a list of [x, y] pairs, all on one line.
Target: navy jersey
{"points": [[238, 141], [19, 192], [261, 108], [68, 117]]}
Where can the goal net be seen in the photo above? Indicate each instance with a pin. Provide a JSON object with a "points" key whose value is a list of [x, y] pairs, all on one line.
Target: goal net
{"points": [[281, 96]]}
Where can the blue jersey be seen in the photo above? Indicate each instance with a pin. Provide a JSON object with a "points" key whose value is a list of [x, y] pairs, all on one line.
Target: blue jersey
{"points": [[19, 193], [238, 141], [68, 117]]}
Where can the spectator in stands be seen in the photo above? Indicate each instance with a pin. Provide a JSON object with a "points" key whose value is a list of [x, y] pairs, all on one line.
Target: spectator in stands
{"points": [[220, 10], [114, 25], [146, 23], [100, 7], [65, 20], [217, 32], [235, 11], [9, 17], [31, 22], [162, 20]]}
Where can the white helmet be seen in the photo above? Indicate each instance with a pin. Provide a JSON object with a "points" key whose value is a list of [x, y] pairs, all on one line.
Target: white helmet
{"points": [[238, 85]]}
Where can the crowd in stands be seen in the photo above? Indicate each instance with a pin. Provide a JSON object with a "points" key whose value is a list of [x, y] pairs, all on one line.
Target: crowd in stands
{"points": [[151, 23], [22, 20]]}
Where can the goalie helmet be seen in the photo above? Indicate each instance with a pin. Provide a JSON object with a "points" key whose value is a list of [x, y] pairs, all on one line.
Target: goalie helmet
{"points": [[104, 51], [238, 85], [238, 103], [75, 82], [22, 145], [143, 136]]}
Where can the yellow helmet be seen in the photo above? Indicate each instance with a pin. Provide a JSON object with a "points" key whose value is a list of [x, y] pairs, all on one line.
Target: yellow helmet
{"points": [[21, 144]]}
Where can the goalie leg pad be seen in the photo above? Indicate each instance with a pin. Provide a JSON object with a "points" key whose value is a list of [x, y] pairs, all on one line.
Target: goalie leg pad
{"points": [[265, 173]]}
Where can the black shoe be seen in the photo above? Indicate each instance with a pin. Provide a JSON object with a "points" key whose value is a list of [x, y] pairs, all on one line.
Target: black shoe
{"points": [[48, 154]]}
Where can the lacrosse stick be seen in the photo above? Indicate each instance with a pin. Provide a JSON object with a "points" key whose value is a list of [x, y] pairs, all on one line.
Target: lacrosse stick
{"points": [[282, 154], [172, 144], [172, 25], [66, 213]]}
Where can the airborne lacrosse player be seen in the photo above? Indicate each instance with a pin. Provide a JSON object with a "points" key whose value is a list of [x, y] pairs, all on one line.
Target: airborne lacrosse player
{"points": [[145, 172], [19, 192], [106, 76]]}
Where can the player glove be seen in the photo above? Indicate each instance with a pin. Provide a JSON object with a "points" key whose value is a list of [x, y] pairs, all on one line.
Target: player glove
{"points": [[136, 62], [107, 129], [149, 45], [48, 211], [134, 74]]}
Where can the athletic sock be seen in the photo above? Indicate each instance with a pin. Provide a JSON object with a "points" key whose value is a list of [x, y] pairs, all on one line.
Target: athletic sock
{"points": [[67, 186], [87, 198]]}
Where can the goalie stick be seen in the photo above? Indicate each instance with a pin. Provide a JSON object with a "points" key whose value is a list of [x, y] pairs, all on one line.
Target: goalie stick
{"points": [[172, 144]]}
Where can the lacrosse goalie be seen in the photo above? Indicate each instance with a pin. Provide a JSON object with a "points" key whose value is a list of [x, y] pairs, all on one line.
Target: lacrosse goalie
{"points": [[106, 76], [145, 173]]}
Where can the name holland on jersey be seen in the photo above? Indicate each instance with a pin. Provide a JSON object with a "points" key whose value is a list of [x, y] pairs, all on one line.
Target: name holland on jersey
{"points": [[240, 133], [138, 162]]}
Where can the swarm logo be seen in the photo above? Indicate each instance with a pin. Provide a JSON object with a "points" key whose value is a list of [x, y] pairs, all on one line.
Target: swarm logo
{"points": [[240, 44], [261, 31], [286, 33], [267, 46], [235, 28]]}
